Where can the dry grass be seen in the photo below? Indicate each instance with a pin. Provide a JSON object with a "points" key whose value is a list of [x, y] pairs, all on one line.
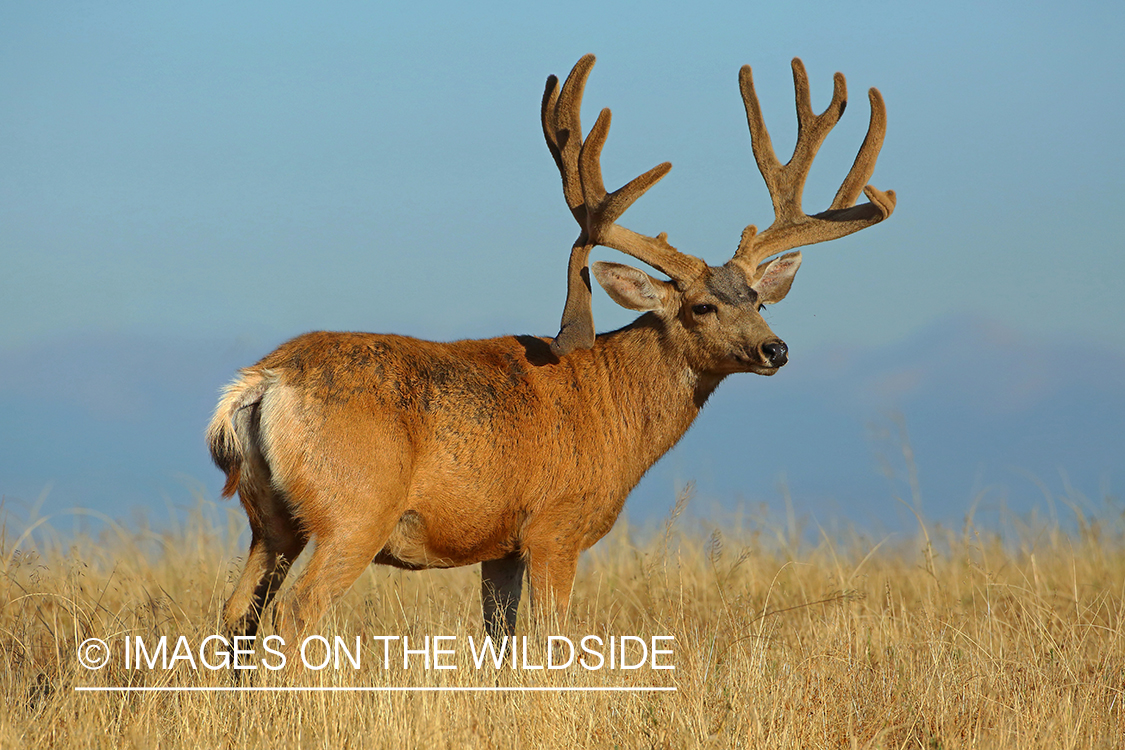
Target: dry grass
{"points": [[953, 639]]}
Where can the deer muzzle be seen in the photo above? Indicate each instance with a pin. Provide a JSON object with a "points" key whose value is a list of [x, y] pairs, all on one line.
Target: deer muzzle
{"points": [[775, 353]]}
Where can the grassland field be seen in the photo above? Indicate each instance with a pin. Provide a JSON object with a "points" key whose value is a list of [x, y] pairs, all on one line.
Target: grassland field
{"points": [[944, 638]]}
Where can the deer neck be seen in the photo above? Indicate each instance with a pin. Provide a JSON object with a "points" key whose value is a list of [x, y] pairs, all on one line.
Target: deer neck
{"points": [[654, 395]]}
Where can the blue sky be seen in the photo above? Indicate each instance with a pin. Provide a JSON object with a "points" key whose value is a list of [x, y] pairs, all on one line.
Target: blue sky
{"points": [[230, 175]]}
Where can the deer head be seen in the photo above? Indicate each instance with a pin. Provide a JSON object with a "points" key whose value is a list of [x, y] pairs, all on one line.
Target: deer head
{"points": [[711, 312]]}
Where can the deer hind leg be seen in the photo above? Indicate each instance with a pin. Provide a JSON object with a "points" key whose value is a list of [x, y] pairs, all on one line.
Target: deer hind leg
{"points": [[344, 548], [501, 583], [277, 539]]}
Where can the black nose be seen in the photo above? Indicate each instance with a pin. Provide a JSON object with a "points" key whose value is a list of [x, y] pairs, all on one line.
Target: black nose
{"points": [[777, 353]]}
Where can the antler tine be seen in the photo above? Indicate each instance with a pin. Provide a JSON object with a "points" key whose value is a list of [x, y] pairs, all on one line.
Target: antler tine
{"points": [[607, 208], [811, 129], [864, 165], [595, 210], [562, 127], [792, 227], [561, 117]]}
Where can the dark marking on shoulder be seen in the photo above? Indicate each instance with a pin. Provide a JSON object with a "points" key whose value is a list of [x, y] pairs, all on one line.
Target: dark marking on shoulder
{"points": [[515, 369], [537, 351]]}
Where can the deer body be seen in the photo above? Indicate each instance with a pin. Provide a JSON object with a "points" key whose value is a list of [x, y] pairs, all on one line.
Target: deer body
{"points": [[515, 452], [450, 454], [474, 430]]}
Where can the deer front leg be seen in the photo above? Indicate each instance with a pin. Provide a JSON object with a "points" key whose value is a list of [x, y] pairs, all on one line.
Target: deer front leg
{"points": [[501, 583], [551, 575]]}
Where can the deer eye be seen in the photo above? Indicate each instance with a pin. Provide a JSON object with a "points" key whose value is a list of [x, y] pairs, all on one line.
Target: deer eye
{"points": [[703, 309]]}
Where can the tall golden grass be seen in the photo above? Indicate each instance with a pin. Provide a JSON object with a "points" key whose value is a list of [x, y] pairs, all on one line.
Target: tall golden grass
{"points": [[951, 638]]}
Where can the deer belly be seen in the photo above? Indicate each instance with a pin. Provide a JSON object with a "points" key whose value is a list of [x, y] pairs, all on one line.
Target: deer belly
{"points": [[414, 546]]}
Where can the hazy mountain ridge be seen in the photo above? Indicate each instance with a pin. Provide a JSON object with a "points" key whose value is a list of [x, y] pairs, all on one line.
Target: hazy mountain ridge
{"points": [[991, 367]]}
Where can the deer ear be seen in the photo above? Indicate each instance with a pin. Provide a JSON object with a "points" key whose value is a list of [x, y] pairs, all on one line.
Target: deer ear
{"points": [[775, 277], [632, 288]]}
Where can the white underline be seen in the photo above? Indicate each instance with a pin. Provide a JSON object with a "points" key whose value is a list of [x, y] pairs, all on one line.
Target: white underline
{"points": [[298, 689]]}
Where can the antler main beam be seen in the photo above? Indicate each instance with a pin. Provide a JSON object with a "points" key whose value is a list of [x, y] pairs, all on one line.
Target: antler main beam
{"points": [[792, 227], [595, 210]]}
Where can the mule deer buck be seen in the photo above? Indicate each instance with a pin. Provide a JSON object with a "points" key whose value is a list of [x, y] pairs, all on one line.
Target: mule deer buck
{"points": [[515, 452]]}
